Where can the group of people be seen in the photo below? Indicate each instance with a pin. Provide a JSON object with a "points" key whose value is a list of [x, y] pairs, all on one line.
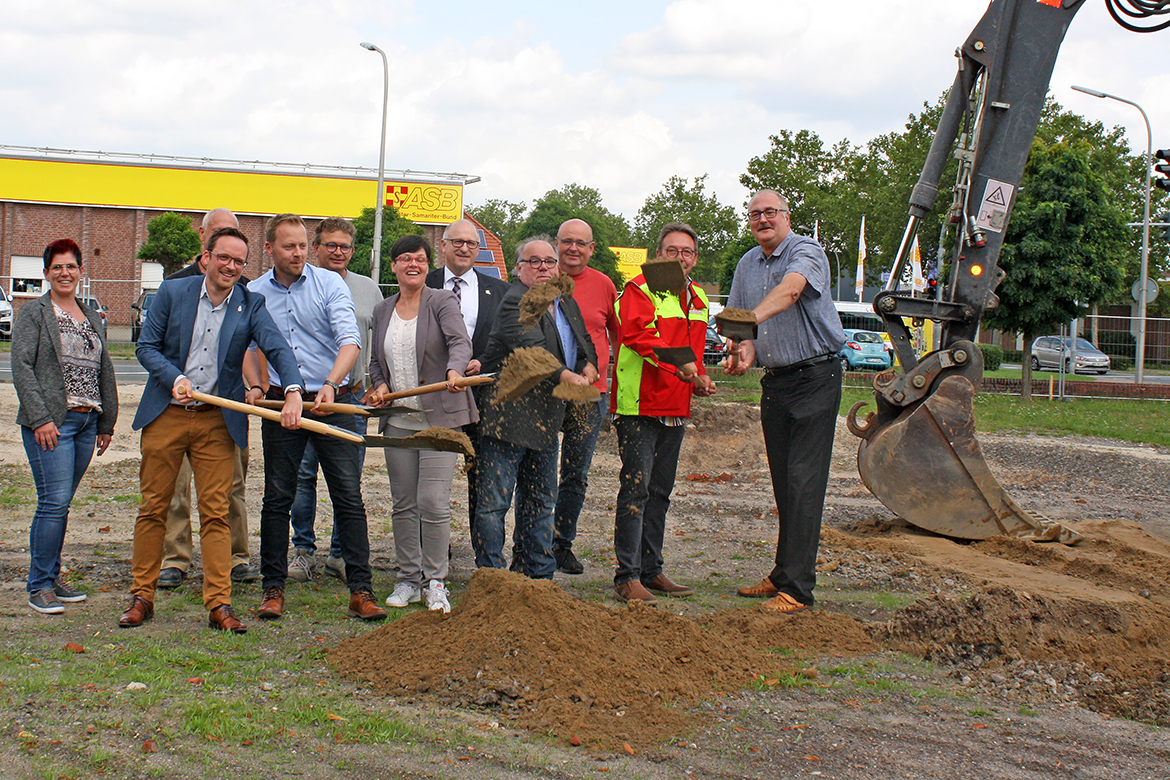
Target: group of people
{"points": [[310, 336]]}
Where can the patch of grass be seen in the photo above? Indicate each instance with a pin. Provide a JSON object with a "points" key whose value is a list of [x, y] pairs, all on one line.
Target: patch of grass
{"points": [[12, 496], [1027, 711], [782, 680], [979, 712]]}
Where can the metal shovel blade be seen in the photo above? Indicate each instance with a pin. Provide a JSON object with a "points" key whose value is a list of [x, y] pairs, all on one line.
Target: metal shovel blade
{"points": [[926, 466], [734, 328], [448, 441], [664, 276]]}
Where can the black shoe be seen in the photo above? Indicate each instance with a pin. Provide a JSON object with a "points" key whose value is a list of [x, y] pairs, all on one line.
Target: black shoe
{"points": [[567, 562], [171, 577], [517, 564], [243, 572]]}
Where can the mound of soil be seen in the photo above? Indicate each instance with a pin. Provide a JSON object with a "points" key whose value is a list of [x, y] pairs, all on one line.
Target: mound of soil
{"points": [[446, 439], [577, 393], [536, 301], [523, 370], [572, 668]]}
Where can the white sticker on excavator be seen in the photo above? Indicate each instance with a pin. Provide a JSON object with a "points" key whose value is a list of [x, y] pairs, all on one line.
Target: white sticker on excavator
{"points": [[993, 209]]}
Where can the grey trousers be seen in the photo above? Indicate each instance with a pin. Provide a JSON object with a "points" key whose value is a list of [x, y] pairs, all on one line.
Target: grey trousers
{"points": [[420, 484]]}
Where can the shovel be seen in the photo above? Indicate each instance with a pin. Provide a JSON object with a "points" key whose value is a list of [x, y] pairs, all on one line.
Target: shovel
{"points": [[663, 276], [359, 409], [735, 325], [442, 438]]}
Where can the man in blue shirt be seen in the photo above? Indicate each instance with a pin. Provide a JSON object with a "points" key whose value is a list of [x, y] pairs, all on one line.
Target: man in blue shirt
{"points": [[313, 310]]}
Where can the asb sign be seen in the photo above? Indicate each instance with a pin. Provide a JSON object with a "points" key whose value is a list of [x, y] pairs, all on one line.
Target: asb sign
{"points": [[434, 204]]}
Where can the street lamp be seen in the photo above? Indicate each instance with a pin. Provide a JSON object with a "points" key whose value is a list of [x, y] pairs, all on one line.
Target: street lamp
{"points": [[376, 252], [1140, 361]]}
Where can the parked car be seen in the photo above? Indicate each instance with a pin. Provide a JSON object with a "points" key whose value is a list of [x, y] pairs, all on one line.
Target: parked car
{"points": [[5, 315], [1049, 351], [716, 347], [864, 349], [140, 307], [96, 305]]}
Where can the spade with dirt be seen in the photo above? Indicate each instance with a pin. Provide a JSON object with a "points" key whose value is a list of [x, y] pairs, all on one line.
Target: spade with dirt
{"points": [[664, 274], [523, 370], [737, 324], [539, 297]]}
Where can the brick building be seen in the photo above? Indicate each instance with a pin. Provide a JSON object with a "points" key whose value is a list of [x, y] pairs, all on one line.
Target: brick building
{"points": [[104, 202]]}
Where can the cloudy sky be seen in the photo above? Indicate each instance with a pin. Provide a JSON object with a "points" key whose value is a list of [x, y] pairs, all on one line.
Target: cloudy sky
{"points": [[527, 94]]}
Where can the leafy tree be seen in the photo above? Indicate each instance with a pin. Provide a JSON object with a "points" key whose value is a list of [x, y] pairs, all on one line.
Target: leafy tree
{"points": [[716, 224], [505, 219], [394, 227], [1063, 246], [730, 256], [585, 203], [170, 241], [553, 209]]}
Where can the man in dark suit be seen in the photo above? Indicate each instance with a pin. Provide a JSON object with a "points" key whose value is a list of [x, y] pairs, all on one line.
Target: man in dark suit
{"points": [[518, 438], [195, 338], [479, 299]]}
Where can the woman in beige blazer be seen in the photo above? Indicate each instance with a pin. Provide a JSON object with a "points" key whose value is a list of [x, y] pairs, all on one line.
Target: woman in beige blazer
{"points": [[420, 338]]}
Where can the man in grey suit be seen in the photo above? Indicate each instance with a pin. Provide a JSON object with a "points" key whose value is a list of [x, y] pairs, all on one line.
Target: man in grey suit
{"points": [[518, 438], [195, 338], [479, 300]]}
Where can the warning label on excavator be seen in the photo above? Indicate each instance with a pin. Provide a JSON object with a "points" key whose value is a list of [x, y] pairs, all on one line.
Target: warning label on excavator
{"points": [[993, 209]]}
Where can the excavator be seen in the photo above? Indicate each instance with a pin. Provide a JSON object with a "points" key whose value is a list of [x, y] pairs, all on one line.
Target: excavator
{"points": [[922, 435]]}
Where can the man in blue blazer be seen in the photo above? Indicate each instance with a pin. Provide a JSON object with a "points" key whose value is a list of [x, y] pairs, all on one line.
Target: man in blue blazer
{"points": [[195, 338]]}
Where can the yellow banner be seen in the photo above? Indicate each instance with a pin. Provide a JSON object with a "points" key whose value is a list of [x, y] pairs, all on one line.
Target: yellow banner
{"points": [[245, 192], [630, 261]]}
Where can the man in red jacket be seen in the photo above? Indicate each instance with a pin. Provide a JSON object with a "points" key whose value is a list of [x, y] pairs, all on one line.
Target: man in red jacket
{"points": [[651, 401]]}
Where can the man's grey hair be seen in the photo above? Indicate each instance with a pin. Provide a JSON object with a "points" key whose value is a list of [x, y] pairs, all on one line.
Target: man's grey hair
{"points": [[676, 227], [216, 212], [783, 200], [539, 237], [447, 230]]}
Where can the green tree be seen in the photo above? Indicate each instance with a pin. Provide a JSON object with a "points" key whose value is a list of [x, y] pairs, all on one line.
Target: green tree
{"points": [[394, 227], [170, 241], [505, 219], [549, 212], [585, 203], [1064, 247], [716, 224]]}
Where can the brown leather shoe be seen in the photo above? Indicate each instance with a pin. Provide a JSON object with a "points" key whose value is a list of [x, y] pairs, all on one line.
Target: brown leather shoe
{"points": [[272, 604], [362, 604], [765, 590], [139, 611], [663, 586], [633, 590], [784, 604], [224, 619]]}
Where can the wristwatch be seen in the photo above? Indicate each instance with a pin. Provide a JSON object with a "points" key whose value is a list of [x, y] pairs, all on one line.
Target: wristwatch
{"points": [[336, 387]]}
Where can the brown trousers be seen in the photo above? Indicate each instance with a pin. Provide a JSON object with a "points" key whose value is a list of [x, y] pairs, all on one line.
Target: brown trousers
{"points": [[204, 439], [178, 545]]}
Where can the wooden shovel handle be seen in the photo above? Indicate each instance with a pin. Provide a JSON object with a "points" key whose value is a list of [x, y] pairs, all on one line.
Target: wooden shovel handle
{"points": [[466, 381], [272, 414], [325, 408]]}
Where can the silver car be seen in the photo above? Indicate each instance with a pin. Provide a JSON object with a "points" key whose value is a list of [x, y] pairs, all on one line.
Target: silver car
{"points": [[1050, 351], [5, 315]]}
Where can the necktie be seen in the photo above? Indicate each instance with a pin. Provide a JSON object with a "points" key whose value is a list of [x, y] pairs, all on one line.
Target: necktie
{"points": [[456, 282]]}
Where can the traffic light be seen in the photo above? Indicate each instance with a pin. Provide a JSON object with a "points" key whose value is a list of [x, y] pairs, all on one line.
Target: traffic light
{"points": [[1163, 168], [1165, 220]]}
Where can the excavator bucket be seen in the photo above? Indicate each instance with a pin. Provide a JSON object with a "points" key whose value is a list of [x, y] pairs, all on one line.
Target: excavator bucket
{"points": [[926, 466]]}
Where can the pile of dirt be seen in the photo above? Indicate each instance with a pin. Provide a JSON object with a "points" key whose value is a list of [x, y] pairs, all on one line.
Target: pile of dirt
{"points": [[1127, 642], [446, 439], [561, 666], [576, 393], [535, 302], [523, 370]]}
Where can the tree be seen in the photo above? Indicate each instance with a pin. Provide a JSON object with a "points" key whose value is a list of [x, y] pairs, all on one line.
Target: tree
{"points": [[549, 212], [170, 241], [585, 203], [1064, 247], [394, 227], [716, 224], [505, 219]]}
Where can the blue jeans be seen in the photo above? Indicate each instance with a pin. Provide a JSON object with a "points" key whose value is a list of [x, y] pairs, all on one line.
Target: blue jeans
{"points": [[504, 469], [304, 509], [56, 474], [581, 428], [284, 450], [649, 451]]}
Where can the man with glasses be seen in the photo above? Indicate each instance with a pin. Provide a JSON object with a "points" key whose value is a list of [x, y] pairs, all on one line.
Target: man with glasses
{"points": [[333, 244], [595, 294], [178, 547], [195, 338], [785, 282], [651, 404], [518, 438], [479, 298]]}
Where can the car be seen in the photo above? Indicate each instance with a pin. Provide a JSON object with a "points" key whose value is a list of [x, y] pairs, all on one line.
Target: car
{"points": [[864, 349], [5, 315], [96, 305], [1049, 351], [140, 307], [716, 347]]}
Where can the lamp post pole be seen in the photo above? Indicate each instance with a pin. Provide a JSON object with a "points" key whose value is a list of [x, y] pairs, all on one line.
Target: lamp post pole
{"points": [[376, 252], [1140, 359]]}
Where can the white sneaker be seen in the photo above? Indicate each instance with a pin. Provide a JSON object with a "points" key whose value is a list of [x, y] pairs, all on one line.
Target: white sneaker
{"points": [[437, 597], [404, 593], [302, 567]]}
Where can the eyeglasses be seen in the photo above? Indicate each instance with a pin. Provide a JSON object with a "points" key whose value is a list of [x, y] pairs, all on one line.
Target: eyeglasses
{"points": [[406, 259], [686, 253], [754, 216], [333, 246], [225, 259], [459, 243], [574, 242], [537, 262], [66, 267]]}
